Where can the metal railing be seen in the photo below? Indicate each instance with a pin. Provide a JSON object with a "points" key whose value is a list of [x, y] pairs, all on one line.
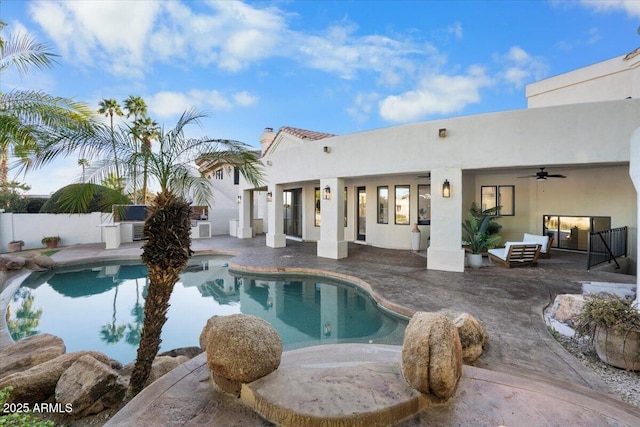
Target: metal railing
{"points": [[606, 246]]}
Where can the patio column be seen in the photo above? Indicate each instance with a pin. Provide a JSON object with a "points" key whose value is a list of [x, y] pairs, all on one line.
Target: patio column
{"points": [[275, 230], [634, 173], [445, 251], [332, 243], [246, 212]]}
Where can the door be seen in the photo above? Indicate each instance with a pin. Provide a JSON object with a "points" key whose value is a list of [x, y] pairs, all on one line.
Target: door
{"points": [[362, 214], [292, 206]]}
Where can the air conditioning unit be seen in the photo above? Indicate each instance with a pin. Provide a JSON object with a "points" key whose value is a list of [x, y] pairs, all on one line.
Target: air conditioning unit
{"points": [[201, 230]]}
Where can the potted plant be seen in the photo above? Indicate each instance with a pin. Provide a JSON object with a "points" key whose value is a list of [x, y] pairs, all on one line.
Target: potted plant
{"points": [[15, 245], [612, 324], [479, 233], [51, 241]]}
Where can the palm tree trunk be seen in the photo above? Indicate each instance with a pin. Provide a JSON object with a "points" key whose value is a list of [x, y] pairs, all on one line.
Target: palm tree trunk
{"points": [[4, 165], [115, 154]]}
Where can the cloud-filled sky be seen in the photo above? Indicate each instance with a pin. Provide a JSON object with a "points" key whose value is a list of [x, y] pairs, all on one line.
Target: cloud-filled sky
{"points": [[329, 66]]}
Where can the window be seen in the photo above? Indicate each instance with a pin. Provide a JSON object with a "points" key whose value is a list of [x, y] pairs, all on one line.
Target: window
{"points": [[498, 195], [402, 204], [236, 175], [219, 174], [383, 205], [424, 204], [317, 208]]}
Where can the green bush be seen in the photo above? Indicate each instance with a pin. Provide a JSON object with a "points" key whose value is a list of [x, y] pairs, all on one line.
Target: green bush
{"points": [[84, 198], [608, 311]]}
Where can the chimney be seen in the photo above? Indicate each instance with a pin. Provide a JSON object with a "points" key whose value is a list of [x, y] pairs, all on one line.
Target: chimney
{"points": [[266, 138]]}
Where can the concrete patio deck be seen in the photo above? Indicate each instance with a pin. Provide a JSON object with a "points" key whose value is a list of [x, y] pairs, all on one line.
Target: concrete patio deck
{"points": [[523, 366]]}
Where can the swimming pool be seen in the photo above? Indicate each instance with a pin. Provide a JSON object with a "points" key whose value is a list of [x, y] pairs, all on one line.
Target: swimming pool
{"points": [[100, 307]]}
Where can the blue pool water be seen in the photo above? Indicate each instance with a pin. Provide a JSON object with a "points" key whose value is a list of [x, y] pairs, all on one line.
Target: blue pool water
{"points": [[101, 307]]}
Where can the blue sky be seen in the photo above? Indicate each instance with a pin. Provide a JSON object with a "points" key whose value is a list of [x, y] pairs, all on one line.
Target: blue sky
{"points": [[329, 66]]}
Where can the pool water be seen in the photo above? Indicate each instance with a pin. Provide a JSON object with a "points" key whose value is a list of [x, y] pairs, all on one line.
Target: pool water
{"points": [[101, 307]]}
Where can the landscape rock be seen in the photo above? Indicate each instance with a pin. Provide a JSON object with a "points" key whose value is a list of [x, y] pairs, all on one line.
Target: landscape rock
{"points": [[38, 383], [190, 352], [11, 262], [163, 365], [472, 333], [44, 261], [240, 348], [90, 386], [432, 354], [29, 352], [565, 307]]}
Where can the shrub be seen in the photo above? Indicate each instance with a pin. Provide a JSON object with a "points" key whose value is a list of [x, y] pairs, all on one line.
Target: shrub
{"points": [[18, 419], [609, 311], [84, 198]]}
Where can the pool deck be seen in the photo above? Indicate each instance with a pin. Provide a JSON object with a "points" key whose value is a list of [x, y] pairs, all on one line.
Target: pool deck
{"points": [[522, 358]]}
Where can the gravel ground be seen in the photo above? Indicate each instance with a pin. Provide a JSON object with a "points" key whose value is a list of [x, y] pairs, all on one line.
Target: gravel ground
{"points": [[625, 384]]}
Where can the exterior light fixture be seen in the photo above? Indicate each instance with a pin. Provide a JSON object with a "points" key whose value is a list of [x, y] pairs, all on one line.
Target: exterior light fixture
{"points": [[326, 194], [446, 189], [269, 163], [326, 149], [442, 133], [239, 199], [269, 196], [326, 329]]}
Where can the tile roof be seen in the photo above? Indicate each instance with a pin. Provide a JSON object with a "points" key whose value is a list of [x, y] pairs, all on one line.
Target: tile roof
{"points": [[305, 134]]}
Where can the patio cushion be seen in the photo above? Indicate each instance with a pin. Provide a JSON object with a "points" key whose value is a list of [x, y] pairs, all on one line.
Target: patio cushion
{"points": [[502, 252], [543, 241]]}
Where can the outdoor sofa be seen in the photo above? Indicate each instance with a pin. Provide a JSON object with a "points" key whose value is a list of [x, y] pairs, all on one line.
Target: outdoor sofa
{"points": [[516, 254]]}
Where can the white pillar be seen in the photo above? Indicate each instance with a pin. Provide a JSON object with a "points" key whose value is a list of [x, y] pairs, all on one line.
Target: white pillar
{"points": [[244, 224], [332, 243], [275, 233], [634, 172], [445, 251]]}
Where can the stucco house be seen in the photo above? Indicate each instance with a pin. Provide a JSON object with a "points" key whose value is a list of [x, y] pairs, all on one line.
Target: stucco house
{"points": [[372, 187]]}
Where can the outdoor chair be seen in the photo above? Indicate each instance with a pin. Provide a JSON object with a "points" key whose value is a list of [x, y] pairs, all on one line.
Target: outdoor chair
{"points": [[543, 241], [516, 254]]}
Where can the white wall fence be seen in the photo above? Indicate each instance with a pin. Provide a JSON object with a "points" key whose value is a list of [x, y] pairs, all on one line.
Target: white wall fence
{"points": [[31, 228]]}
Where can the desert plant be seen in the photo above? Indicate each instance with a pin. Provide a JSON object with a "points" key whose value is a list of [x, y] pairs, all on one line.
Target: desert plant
{"points": [[609, 311]]}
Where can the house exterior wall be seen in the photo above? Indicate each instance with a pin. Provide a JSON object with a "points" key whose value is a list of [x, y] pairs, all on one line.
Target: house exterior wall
{"points": [[615, 79], [588, 142]]}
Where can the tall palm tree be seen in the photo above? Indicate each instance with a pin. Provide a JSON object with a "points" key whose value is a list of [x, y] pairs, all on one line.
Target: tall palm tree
{"points": [[83, 163], [110, 108], [146, 130], [31, 120], [167, 228], [136, 107]]}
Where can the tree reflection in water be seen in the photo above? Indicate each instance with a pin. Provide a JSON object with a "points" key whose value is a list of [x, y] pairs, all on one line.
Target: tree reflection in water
{"points": [[26, 319]]}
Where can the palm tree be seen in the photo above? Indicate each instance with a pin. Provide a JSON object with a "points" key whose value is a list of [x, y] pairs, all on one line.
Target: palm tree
{"points": [[31, 120], [167, 228], [135, 107], [84, 163], [110, 108], [111, 333], [146, 130]]}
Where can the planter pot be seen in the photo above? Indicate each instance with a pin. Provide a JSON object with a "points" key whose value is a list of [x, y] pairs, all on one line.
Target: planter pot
{"points": [[474, 260], [619, 349], [15, 246], [51, 245], [415, 239]]}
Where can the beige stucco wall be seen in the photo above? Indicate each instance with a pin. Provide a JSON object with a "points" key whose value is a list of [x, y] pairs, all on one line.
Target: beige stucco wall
{"points": [[615, 79]]}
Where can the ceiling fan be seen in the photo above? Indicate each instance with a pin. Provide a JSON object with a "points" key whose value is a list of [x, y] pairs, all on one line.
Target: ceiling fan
{"points": [[542, 175]]}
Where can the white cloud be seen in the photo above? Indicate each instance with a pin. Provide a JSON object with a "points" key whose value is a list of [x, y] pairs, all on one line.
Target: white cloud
{"points": [[363, 105], [169, 104], [436, 94], [519, 67], [631, 7]]}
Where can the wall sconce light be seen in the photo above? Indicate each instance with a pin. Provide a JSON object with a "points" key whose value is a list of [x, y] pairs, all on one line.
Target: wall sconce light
{"points": [[326, 149], [239, 199], [326, 194], [326, 329], [446, 189], [442, 133], [269, 163], [269, 196]]}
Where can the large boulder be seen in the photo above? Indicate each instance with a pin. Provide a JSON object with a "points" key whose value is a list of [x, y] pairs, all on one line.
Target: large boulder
{"points": [[566, 307], [11, 262], [164, 364], [29, 352], [90, 386], [38, 383], [240, 349], [432, 354], [472, 333]]}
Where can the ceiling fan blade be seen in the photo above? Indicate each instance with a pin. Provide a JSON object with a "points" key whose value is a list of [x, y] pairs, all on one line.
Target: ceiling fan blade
{"points": [[556, 176], [528, 176]]}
